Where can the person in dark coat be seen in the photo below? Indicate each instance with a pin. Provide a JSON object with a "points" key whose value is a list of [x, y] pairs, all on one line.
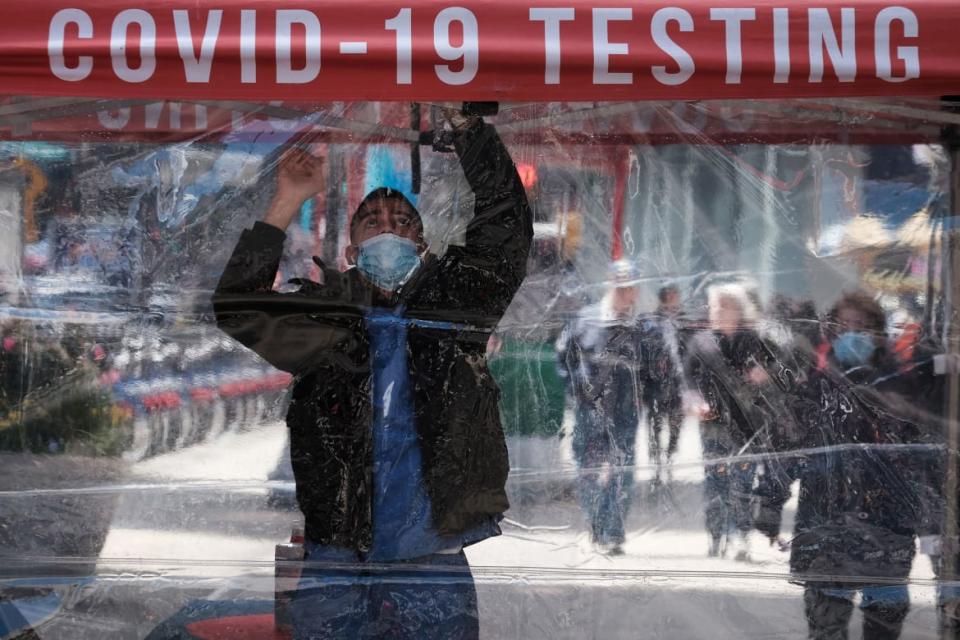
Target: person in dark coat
{"points": [[794, 350], [599, 353], [664, 383], [727, 367], [858, 506], [395, 437]]}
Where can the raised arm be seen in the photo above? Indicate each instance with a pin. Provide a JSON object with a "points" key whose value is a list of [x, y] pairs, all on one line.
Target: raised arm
{"points": [[290, 331], [502, 217]]}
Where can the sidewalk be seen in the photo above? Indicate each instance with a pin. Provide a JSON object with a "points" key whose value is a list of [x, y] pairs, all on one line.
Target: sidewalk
{"points": [[197, 524]]}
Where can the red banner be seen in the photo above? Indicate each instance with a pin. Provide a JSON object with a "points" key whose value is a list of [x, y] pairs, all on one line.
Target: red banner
{"points": [[478, 49]]}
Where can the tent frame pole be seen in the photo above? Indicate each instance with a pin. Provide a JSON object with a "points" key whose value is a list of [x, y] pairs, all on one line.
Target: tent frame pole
{"points": [[950, 550]]}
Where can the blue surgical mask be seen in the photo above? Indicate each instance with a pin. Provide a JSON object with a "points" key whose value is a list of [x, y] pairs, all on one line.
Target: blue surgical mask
{"points": [[387, 260], [854, 348]]}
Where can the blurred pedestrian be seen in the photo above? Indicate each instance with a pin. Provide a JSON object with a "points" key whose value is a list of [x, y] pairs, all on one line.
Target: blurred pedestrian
{"points": [[600, 353], [858, 508], [725, 368], [794, 343], [664, 383]]}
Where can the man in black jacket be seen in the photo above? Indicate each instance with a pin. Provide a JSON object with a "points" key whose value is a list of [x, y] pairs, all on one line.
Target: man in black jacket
{"points": [[396, 443]]}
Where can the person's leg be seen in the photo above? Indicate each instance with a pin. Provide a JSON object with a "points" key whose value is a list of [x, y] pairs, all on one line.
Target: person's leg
{"points": [[588, 473], [607, 527], [741, 495], [884, 610], [676, 423], [618, 492], [619, 496], [593, 496], [675, 417], [715, 486], [605, 516], [740, 504], [430, 598], [828, 612], [332, 598], [654, 421], [627, 484], [773, 491]]}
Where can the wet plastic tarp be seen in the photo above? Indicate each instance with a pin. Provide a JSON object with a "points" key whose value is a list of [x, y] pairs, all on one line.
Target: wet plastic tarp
{"points": [[691, 360]]}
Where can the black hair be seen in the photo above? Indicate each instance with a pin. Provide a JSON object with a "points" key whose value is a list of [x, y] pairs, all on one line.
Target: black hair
{"points": [[382, 194], [871, 309], [666, 290]]}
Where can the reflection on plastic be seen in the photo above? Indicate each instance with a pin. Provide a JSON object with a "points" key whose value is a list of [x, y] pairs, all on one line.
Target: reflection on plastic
{"points": [[739, 428]]}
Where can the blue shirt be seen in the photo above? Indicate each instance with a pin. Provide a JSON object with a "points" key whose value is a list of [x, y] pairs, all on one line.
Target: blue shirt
{"points": [[402, 521]]}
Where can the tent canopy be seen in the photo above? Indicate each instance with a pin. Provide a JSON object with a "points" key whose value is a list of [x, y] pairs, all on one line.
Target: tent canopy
{"points": [[499, 50]]}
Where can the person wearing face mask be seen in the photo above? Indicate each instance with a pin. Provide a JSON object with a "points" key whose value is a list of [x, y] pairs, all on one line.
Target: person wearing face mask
{"points": [[859, 505], [396, 444]]}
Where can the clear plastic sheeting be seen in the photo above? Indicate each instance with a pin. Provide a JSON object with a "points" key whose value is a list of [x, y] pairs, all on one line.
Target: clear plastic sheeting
{"points": [[509, 371]]}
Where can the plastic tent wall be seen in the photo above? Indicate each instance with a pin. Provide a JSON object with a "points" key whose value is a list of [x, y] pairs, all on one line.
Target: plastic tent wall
{"points": [[145, 482], [728, 382]]}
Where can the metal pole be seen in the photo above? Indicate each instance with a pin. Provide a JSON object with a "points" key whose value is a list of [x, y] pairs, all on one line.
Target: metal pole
{"points": [[622, 169], [415, 148], [949, 549], [336, 201]]}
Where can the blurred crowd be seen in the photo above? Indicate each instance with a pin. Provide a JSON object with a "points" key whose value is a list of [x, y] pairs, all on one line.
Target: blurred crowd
{"points": [[842, 405]]}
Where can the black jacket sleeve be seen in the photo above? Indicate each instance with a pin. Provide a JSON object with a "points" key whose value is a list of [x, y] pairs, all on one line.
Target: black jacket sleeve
{"points": [[291, 331], [255, 260], [502, 218], [475, 283]]}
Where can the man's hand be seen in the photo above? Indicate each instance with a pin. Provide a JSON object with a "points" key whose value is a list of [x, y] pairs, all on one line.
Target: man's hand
{"points": [[299, 176], [457, 120]]}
